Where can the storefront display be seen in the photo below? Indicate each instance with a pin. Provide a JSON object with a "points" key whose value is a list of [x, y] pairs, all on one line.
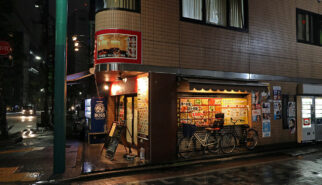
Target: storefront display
{"points": [[201, 111]]}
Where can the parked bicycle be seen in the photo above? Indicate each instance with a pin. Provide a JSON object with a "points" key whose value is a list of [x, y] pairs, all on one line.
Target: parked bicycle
{"points": [[208, 140], [242, 135]]}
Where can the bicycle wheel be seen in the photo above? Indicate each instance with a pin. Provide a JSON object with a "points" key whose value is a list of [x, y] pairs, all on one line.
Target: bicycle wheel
{"points": [[227, 143], [252, 139], [213, 144], [186, 147]]}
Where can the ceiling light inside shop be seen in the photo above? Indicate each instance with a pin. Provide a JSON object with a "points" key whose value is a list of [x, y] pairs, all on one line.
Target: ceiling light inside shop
{"points": [[106, 87]]}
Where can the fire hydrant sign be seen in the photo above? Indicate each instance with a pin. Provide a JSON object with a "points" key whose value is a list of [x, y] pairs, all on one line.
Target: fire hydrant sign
{"points": [[5, 48]]}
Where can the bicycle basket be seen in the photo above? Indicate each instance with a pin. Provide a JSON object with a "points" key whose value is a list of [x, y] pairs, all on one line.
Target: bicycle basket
{"points": [[188, 130]]}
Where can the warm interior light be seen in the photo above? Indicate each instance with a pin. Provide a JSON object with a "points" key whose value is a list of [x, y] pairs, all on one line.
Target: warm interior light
{"points": [[76, 44], [106, 87], [74, 38], [76, 49], [124, 80]]}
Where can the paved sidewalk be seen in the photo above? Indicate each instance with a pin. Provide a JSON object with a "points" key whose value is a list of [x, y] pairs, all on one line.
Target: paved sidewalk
{"points": [[262, 151]]}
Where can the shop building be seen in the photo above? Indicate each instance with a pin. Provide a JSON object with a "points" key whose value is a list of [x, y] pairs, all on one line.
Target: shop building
{"points": [[161, 64]]}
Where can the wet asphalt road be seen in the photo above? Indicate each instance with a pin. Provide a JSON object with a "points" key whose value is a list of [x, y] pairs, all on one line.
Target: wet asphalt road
{"points": [[19, 122], [273, 170]]}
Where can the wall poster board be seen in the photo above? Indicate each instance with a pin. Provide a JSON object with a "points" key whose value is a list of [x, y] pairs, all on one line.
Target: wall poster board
{"points": [[117, 45], [143, 106], [201, 111]]}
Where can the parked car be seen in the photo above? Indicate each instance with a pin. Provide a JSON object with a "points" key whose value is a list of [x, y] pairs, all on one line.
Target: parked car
{"points": [[28, 110]]}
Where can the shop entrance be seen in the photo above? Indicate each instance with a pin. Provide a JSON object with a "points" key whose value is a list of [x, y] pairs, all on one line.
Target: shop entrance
{"points": [[131, 119], [126, 113]]}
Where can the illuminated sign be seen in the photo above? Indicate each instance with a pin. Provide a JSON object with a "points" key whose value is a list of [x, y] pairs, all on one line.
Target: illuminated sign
{"points": [[5, 48], [115, 45]]}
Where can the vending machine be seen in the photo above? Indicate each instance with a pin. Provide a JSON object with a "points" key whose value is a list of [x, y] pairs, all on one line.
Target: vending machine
{"points": [[305, 121], [318, 118]]}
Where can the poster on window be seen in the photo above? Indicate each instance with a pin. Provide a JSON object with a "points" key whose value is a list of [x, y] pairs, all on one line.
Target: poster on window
{"points": [[266, 128], [115, 45], [143, 106]]}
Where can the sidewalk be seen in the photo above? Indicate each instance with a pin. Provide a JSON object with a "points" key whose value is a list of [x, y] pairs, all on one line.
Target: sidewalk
{"points": [[290, 149]]}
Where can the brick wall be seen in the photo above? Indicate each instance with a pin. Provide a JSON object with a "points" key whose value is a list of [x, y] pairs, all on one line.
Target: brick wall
{"points": [[269, 47]]}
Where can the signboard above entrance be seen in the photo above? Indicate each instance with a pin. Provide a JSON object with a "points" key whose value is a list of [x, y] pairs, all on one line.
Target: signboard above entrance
{"points": [[115, 45]]}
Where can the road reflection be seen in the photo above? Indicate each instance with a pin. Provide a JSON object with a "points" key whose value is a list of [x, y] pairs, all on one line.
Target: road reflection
{"points": [[26, 118]]}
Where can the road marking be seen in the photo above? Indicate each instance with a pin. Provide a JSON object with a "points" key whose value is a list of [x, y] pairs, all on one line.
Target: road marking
{"points": [[22, 150]]}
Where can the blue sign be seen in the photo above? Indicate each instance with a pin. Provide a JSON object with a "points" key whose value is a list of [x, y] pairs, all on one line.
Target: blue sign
{"points": [[98, 114], [266, 128]]}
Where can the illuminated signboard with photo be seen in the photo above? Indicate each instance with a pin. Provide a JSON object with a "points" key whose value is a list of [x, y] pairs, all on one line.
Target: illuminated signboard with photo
{"points": [[115, 45]]}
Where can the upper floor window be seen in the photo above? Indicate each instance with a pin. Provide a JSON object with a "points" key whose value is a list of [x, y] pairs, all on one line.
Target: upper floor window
{"points": [[225, 13], [309, 27], [130, 5]]}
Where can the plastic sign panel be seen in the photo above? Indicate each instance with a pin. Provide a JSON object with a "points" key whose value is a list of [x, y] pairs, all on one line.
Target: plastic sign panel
{"points": [[117, 46], [98, 114], [88, 111], [5, 48]]}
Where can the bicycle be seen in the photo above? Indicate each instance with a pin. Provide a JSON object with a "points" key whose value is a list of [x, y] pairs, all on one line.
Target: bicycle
{"points": [[210, 142], [248, 136]]}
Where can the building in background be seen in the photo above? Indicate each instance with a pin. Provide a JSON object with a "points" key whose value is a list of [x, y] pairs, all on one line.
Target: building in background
{"points": [[162, 64]]}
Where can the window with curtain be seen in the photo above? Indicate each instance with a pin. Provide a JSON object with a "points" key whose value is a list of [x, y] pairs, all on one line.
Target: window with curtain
{"points": [[132, 5], [192, 9], [216, 12], [224, 13], [309, 27], [236, 13]]}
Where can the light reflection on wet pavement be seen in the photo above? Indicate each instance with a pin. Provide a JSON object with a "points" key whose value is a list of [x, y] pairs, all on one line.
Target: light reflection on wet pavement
{"points": [[307, 170]]}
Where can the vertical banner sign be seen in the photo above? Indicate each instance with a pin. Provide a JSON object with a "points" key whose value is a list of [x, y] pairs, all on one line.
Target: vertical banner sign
{"points": [[143, 106], [116, 45], [266, 114], [98, 115], [277, 95]]}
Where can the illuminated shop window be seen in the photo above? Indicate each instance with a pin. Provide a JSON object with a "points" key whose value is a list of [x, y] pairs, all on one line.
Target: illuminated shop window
{"points": [[130, 5]]}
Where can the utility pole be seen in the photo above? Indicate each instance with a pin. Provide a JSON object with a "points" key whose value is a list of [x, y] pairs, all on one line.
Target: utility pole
{"points": [[60, 87]]}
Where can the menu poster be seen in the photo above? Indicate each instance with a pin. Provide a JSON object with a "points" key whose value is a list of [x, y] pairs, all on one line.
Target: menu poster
{"points": [[266, 128], [143, 106], [202, 111]]}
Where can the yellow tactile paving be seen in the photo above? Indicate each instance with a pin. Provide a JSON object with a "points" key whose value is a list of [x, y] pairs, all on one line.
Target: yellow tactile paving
{"points": [[9, 175], [14, 151]]}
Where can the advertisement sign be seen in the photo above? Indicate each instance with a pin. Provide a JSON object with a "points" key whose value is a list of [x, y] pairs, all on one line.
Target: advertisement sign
{"points": [[98, 114], [266, 128], [115, 45], [88, 108], [143, 106], [5, 48], [202, 111]]}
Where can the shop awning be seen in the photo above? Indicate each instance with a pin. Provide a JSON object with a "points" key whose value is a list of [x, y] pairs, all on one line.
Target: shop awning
{"points": [[206, 84], [78, 76]]}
